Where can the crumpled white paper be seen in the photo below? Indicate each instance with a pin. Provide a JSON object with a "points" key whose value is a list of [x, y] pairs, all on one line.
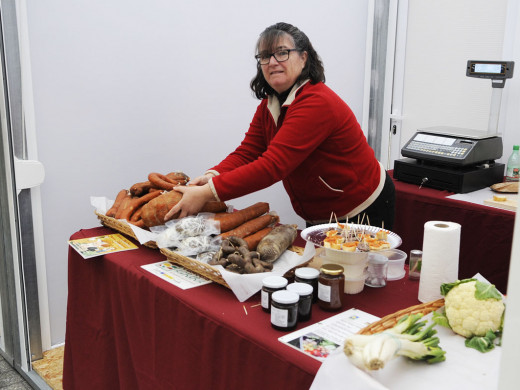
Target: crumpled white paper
{"points": [[246, 285], [102, 204], [243, 286]]}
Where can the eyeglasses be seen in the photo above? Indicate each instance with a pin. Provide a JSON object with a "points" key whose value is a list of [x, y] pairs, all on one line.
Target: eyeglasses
{"points": [[279, 55]]}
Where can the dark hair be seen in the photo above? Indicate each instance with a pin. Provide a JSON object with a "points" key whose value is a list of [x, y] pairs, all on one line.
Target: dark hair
{"points": [[269, 38]]}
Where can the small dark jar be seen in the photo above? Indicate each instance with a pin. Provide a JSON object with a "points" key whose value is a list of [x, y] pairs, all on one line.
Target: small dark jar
{"points": [[304, 290], [269, 286], [284, 310], [310, 276]]}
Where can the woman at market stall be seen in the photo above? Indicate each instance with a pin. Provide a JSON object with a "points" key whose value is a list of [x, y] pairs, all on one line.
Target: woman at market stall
{"points": [[304, 135]]}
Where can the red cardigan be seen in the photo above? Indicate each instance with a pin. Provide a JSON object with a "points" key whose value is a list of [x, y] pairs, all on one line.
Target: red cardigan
{"points": [[315, 145]]}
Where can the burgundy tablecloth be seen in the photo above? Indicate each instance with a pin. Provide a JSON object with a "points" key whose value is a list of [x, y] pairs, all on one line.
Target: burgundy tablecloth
{"points": [[486, 232], [128, 329]]}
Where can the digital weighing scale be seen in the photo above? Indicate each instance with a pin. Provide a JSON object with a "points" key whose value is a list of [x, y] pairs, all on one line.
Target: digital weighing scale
{"points": [[456, 159]]}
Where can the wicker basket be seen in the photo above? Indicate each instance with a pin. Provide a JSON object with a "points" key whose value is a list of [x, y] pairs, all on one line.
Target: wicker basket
{"points": [[390, 320], [193, 265], [210, 272], [122, 227]]}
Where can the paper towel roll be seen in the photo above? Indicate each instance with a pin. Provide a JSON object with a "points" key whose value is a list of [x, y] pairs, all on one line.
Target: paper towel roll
{"points": [[440, 258]]}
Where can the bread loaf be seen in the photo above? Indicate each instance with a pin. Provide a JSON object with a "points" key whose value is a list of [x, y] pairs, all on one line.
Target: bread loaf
{"points": [[510, 186]]}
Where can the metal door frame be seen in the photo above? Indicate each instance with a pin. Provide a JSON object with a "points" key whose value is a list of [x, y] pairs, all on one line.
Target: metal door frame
{"points": [[20, 325]]}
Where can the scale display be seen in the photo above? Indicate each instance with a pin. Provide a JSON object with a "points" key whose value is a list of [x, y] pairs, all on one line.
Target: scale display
{"points": [[495, 70]]}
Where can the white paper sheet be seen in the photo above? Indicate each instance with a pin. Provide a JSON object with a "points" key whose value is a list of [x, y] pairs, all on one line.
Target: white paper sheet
{"points": [[464, 368], [244, 286]]}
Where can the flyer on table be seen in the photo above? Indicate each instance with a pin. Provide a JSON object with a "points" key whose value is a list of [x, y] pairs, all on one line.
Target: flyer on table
{"points": [[320, 339], [101, 245]]}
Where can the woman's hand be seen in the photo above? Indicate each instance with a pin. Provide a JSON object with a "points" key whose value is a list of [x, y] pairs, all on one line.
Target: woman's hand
{"points": [[201, 180], [194, 197]]}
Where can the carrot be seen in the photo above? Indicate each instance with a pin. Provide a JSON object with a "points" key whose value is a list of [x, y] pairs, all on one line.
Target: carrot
{"points": [[136, 203], [214, 207], [138, 223], [253, 239], [167, 182], [111, 212], [125, 202], [251, 226], [154, 211], [136, 216], [229, 221], [139, 189], [179, 177]]}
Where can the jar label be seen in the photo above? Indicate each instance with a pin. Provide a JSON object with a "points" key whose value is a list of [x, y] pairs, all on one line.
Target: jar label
{"points": [[324, 292], [279, 317], [265, 299]]}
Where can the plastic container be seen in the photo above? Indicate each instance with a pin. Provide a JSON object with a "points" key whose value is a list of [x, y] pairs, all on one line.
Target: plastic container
{"points": [[355, 284], [377, 270], [513, 165], [396, 259], [354, 263]]}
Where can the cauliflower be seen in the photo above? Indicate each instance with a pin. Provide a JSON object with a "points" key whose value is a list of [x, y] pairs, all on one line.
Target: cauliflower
{"points": [[469, 316], [474, 310]]}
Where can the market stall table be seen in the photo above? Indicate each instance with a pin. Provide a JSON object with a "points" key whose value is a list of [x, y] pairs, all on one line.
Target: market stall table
{"points": [[486, 232], [129, 329]]}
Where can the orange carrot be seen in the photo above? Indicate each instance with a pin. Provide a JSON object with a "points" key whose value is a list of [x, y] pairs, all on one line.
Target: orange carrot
{"points": [[229, 221], [253, 239], [214, 207], [251, 226], [155, 210], [167, 182], [139, 223], [136, 203], [139, 189], [111, 212], [179, 177], [125, 202], [136, 216]]}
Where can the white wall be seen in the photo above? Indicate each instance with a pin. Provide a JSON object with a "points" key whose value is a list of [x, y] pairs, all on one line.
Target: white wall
{"points": [[442, 36], [510, 119], [125, 87]]}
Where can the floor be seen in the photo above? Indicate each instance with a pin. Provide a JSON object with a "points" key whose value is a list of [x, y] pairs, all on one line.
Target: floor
{"points": [[50, 368], [10, 379]]}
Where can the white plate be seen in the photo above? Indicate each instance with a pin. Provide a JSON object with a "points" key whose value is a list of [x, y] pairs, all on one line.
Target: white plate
{"points": [[317, 233]]}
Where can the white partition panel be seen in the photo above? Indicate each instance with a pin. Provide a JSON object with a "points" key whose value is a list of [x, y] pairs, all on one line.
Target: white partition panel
{"points": [[125, 87]]}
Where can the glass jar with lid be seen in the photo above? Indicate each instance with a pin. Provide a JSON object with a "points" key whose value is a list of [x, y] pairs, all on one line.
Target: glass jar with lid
{"points": [[271, 284], [310, 276], [284, 310], [304, 291], [331, 287]]}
